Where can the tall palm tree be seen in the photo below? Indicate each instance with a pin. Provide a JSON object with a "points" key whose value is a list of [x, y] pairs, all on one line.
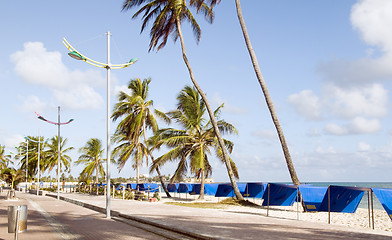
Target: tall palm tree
{"points": [[167, 16], [138, 117], [267, 96], [51, 154], [4, 159], [192, 144], [92, 158]]}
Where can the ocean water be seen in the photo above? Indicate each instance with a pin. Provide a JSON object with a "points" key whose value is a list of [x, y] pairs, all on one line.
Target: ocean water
{"points": [[364, 201]]}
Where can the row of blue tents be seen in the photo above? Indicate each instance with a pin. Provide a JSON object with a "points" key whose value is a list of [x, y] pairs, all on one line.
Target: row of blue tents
{"points": [[322, 199]]}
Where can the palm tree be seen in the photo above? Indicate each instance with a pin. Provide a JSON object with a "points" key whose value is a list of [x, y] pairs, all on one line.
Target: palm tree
{"points": [[33, 155], [167, 16], [138, 117], [51, 154], [4, 159], [267, 96], [92, 158], [26, 155], [129, 149], [11, 175], [192, 144]]}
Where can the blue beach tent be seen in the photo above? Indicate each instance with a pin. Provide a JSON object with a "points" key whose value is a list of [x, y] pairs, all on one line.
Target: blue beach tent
{"points": [[209, 188], [185, 188], [226, 190], [172, 187], [384, 195], [312, 196], [196, 189], [279, 195], [151, 187], [131, 186], [255, 190], [342, 199]]}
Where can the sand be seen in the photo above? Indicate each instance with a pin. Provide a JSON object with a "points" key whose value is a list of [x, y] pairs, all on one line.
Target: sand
{"points": [[359, 219]]}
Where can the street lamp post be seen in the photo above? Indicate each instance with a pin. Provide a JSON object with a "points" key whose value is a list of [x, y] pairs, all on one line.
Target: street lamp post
{"points": [[58, 146], [27, 161], [38, 164], [78, 56]]}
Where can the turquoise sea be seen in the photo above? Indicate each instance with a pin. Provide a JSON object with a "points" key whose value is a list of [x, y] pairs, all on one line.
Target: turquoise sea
{"points": [[364, 202]]}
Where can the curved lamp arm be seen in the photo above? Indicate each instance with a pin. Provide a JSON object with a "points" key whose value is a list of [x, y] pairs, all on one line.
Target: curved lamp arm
{"points": [[78, 56]]}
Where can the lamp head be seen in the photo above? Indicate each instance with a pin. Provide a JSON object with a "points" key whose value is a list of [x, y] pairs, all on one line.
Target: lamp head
{"points": [[76, 55], [133, 60]]}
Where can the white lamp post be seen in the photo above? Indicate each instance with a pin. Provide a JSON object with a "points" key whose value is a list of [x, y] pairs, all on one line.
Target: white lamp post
{"points": [[58, 146], [39, 151], [78, 56]]}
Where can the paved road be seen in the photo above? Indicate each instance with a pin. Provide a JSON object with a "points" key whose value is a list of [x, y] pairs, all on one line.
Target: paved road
{"points": [[52, 219]]}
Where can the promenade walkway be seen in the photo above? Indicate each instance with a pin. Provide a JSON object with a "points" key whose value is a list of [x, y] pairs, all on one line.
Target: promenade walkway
{"points": [[75, 222]]}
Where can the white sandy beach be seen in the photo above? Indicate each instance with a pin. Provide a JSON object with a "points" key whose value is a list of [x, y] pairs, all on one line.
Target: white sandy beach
{"points": [[359, 219]]}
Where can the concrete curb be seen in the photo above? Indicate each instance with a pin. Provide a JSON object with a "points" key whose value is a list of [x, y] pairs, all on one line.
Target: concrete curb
{"points": [[133, 218]]}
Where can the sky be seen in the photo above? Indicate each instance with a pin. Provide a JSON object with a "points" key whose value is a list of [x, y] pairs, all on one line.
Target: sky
{"points": [[327, 65]]}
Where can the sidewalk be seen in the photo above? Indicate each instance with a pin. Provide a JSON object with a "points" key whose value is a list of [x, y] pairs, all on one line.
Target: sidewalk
{"points": [[63, 220], [219, 224]]}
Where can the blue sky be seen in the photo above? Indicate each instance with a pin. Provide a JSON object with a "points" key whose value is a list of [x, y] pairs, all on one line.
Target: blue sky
{"points": [[327, 65]]}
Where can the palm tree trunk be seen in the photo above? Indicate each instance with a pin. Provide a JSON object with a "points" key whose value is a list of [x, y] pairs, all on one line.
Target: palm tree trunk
{"points": [[267, 96], [152, 159], [137, 172], [202, 182], [211, 114], [96, 177]]}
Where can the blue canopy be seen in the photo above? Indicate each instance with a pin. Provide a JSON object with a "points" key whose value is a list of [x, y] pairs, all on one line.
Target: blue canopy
{"points": [[172, 187], [120, 187], [131, 186], [255, 190], [209, 188], [151, 187], [342, 199], [384, 195], [226, 189], [196, 189], [312, 196], [184, 187], [279, 195]]}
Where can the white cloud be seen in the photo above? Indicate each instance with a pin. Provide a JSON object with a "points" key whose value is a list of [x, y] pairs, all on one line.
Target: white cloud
{"points": [[372, 18], [307, 104], [335, 129], [352, 90], [368, 101], [73, 89], [358, 125], [32, 103], [38, 66], [82, 96], [363, 147]]}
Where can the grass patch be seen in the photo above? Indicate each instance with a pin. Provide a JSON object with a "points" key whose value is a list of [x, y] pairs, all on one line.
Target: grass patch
{"points": [[215, 205]]}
